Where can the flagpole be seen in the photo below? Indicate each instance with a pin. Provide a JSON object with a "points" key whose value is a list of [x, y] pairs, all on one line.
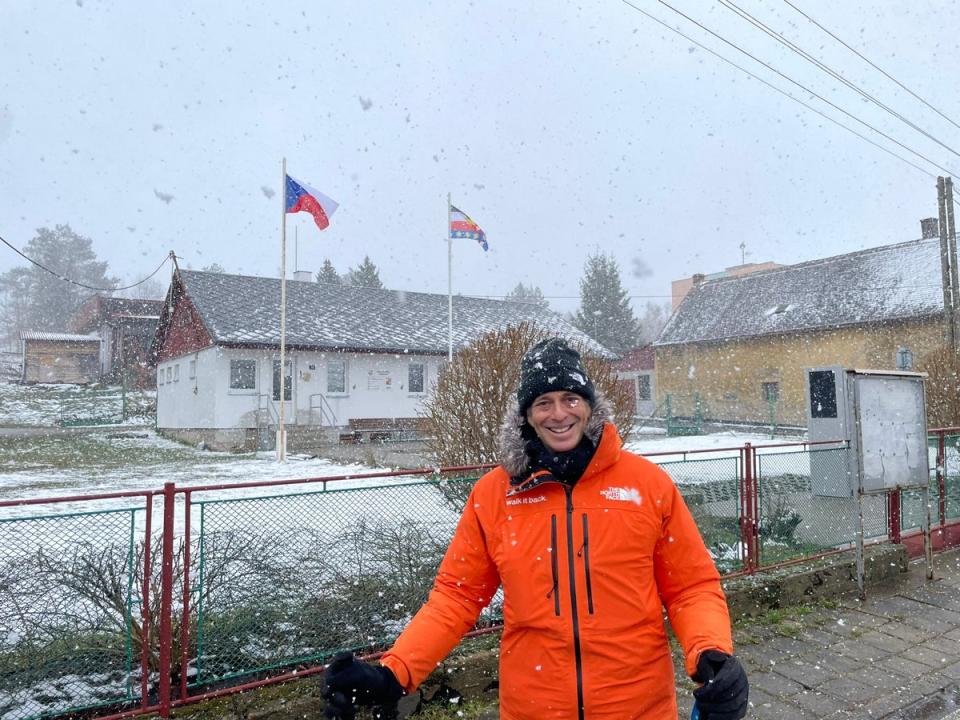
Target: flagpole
{"points": [[449, 286], [281, 431]]}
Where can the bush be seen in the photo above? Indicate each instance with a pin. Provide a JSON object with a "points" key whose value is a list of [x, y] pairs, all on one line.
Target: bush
{"points": [[942, 387]]}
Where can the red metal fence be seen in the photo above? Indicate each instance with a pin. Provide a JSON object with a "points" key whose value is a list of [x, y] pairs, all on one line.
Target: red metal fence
{"points": [[181, 646]]}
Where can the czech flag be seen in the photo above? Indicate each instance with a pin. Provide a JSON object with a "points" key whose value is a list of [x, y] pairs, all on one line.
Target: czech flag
{"points": [[300, 197], [461, 226]]}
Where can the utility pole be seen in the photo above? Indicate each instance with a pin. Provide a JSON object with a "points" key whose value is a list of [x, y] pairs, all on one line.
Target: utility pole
{"points": [[954, 270], [947, 266]]}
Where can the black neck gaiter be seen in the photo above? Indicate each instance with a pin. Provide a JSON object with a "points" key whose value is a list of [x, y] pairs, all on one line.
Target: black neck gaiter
{"points": [[565, 466]]}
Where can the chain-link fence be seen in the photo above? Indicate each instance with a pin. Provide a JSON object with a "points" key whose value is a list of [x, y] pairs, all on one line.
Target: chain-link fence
{"points": [[951, 475], [710, 488], [296, 578], [944, 462], [243, 588], [92, 408], [69, 613], [796, 519]]}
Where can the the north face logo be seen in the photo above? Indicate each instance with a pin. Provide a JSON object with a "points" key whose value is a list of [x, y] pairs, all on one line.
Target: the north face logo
{"points": [[623, 494]]}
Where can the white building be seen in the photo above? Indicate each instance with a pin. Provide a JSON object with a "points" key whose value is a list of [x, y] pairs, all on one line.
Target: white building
{"points": [[356, 357]]}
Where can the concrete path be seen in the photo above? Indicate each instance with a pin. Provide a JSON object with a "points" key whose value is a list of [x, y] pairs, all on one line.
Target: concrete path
{"points": [[894, 657]]}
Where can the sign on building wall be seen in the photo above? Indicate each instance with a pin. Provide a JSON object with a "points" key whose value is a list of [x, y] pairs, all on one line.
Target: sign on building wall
{"points": [[379, 380]]}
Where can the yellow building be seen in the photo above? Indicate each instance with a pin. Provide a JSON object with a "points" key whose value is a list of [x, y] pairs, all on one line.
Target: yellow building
{"points": [[739, 346]]}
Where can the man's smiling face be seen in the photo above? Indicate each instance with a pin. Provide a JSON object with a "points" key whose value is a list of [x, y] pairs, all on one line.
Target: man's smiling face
{"points": [[559, 418]]}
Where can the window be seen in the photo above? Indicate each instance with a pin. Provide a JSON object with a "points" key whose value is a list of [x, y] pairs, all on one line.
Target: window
{"points": [[243, 374], [287, 381], [193, 369], [415, 375], [771, 391], [176, 372], [160, 376], [169, 374], [336, 376], [643, 387], [904, 359]]}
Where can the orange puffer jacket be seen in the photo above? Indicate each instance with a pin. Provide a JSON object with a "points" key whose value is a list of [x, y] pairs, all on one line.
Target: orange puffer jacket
{"points": [[586, 572]]}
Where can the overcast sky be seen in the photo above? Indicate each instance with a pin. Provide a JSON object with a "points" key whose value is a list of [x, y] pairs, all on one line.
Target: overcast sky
{"points": [[561, 129]]}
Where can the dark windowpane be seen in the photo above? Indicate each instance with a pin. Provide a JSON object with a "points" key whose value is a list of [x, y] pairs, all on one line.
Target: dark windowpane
{"points": [[823, 394], [643, 387], [771, 391], [288, 381], [336, 376], [243, 374], [415, 378]]}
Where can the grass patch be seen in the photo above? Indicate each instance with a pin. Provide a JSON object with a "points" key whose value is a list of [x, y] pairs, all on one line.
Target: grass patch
{"points": [[93, 451]]}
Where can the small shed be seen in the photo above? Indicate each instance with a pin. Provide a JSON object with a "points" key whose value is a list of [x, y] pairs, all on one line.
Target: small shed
{"points": [[59, 358], [127, 327]]}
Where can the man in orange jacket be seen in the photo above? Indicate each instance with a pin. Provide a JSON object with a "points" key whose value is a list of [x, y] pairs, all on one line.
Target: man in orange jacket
{"points": [[590, 543]]}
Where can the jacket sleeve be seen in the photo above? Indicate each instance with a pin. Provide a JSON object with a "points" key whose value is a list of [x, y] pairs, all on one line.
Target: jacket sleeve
{"points": [[689, 584], [465, 583]]}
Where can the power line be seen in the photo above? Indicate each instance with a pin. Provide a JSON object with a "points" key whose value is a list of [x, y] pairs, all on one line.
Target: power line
{"points": [[779, 90], [871, 64], [730, 5], [798, 84], [80, 284]]}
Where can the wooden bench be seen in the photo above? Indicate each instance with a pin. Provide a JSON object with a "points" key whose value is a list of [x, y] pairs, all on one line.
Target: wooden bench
{"points": [[380, 430]]}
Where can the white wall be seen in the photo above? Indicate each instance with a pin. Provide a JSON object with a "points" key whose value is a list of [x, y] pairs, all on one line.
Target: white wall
{"points": [[376, 386], [189, 402]]}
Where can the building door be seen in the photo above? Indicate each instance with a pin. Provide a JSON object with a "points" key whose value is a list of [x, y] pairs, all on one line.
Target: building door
{"points": [[289, 392], [644, 394]]}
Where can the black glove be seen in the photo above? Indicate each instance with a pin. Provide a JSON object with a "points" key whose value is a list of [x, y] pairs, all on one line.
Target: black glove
{"points": [[723, 695], [349, 682]]}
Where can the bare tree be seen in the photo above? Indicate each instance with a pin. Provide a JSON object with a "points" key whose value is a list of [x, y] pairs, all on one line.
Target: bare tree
{"points": [[652, 321], [943, 387]]}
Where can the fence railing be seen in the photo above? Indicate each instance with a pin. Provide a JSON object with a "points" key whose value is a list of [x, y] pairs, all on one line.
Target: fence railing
{"points": [[93, 408], [241, 585]]}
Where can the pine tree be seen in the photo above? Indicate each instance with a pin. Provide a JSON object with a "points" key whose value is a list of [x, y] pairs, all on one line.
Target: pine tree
{"points": [[365, 275], [328, 274], [605, 313], [35, 299], [532, 295]]}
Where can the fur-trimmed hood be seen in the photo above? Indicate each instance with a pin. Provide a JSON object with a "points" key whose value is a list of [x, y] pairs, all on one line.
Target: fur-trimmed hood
{"points": [[513, 454]]}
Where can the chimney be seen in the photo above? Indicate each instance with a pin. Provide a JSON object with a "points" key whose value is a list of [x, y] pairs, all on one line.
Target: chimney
{"points": [[698, 278], [929, 228], [302, 276]]}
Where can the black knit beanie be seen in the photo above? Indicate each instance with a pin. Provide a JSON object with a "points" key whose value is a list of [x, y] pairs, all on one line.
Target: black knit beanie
{"points": [[552, 365]]}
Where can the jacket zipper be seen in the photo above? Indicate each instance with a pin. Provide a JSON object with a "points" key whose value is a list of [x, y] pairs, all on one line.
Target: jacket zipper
{"points": [[571, 565], [586, 563], [555, 590]]}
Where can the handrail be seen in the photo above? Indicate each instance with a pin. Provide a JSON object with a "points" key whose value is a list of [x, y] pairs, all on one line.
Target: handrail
{"points": [[324, 405], [272, 414], [809, 443]]}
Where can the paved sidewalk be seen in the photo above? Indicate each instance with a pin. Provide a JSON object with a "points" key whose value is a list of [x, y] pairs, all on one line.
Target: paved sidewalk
{"points": [[895, 656]]}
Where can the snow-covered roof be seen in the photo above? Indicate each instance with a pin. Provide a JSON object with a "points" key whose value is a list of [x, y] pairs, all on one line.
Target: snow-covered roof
{"points": [[57, 337], [893, 282], [244, 310]]}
